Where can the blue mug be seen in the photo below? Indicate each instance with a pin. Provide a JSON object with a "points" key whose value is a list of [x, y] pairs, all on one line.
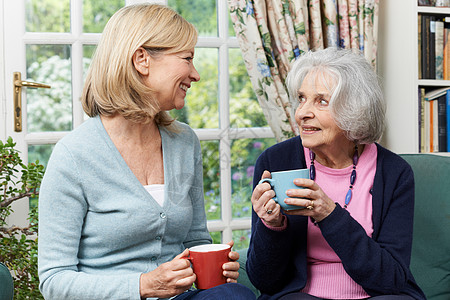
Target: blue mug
{"points": [[283, 181]]}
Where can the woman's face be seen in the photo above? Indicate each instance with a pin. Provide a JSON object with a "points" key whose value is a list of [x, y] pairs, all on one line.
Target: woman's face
{"points": [[170, 76], [318, 128]]}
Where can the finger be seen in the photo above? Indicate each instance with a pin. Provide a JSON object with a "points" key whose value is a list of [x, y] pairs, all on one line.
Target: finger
{"points": [[266, 174], [181, 261], [186, 281], [258, 192], [233, 256], [184, 254], [231, 243], [305, 193], [231, 266], [259, 198], [304, 182], [260, 189], [231, 275], [270, 206], [300, 202]]}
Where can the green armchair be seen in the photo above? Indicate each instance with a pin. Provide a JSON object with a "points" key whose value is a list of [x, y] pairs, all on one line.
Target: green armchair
{"points": [[430, 260], [6, 283]]}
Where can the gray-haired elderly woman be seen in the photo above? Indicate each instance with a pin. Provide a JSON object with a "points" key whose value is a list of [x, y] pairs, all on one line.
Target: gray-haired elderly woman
{"points": [[353, 240]]}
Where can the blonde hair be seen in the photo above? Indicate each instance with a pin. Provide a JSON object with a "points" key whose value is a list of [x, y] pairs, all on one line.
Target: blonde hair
{"points": [[113, 85]]}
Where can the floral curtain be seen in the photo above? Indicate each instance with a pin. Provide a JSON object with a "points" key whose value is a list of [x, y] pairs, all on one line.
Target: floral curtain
{"points": [[272, 33]]}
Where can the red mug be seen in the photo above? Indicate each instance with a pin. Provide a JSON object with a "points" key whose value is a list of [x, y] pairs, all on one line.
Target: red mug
{"points": [[207, 261]]}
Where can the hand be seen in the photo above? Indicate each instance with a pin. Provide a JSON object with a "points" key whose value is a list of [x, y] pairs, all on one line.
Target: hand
{"points": [[312, 195], [263, 204], [169, 279], [231, 269]]}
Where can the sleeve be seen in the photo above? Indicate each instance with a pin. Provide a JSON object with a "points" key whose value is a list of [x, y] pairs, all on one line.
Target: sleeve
{"points": [[198, 233], [269, 263], [379, 264], [62, 208]]}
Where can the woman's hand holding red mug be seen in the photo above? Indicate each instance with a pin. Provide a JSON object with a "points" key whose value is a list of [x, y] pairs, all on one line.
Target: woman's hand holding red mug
{"points": [[231, 269]]}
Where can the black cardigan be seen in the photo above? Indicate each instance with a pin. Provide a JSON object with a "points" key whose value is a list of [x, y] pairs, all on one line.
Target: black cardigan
{"points": [[276, 262]]}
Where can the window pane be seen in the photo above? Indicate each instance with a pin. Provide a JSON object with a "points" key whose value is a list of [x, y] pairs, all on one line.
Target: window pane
{"points": [[244, 153], [244, 107], [202, 105], [201, 13], [211, 179], [49, 109], [241, 239], [42, 154], [97, 13], [216, 237], [88, 52], [231, 31], [47, 15]]}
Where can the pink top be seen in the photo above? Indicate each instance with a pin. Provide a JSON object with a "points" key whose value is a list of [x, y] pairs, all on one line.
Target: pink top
{"points": [[326, 275]]}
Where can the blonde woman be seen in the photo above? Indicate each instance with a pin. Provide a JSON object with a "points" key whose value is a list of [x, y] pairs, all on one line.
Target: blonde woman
{"points": [[122, 196]]}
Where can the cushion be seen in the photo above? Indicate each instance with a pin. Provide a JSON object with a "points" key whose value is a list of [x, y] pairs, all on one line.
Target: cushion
{"points": [[430, 261], [6, 283]]}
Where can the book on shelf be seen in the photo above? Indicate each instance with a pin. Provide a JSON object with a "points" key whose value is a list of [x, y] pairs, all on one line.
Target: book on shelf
{"points": [[433, 47], [436, 93], [446, 61], [421, 119], [419, 44], [436, 3], [442, 123], [448, 120], [432, 56], [442, 3], [439, 50], [434, 133], [425, 2], [434, 114], [425, 46], [426, 125]]}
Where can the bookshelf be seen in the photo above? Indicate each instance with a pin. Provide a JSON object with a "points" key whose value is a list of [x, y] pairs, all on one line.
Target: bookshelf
{"points": [[398, 68]]}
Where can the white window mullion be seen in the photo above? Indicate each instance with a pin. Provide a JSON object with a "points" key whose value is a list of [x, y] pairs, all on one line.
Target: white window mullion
{"points": [[224, 119], [225, 186]]}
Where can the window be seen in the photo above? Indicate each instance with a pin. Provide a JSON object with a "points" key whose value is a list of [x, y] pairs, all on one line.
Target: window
{"points": [[221, 107], [223, 110]]}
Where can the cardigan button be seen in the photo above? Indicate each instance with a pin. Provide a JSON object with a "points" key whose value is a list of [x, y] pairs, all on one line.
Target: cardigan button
{"points": [[158, 238], [153, 258], [162, 215]]}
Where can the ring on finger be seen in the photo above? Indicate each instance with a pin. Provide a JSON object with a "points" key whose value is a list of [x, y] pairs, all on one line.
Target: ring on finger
{"points": [[311, 205], [268, 211]]}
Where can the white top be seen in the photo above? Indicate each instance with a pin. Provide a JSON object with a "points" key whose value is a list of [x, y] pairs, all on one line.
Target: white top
{"points": [[157, 192]]}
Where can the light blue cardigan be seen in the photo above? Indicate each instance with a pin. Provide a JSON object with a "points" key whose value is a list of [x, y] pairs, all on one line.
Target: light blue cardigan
{"points": [[99, 229]]}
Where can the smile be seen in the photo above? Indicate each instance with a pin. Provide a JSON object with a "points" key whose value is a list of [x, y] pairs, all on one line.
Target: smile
{"points": [[310, 129], [184, 87]]}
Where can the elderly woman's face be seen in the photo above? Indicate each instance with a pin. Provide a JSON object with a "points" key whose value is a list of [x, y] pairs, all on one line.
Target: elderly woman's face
{"points": [[170, 76], [318, 128]]}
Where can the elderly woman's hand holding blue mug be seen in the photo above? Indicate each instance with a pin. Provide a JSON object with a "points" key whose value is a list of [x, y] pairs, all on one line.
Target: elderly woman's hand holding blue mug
{"points": [[297, 195]]}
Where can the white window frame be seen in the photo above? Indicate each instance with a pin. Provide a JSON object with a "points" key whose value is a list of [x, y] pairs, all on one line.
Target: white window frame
{"points": [[224, 134]]}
